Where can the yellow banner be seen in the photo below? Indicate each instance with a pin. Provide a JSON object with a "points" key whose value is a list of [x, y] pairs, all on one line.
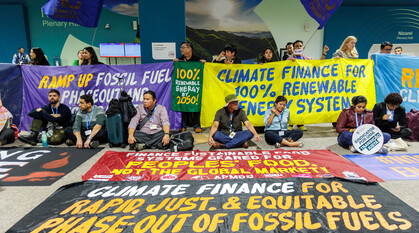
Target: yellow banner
{"points": [[316, 90]]}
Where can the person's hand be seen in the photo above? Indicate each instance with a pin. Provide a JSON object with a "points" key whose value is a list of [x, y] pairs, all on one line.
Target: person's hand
{"points": [[87, 143], [385, 117], [397, 129], [202, 61], [39, 109], [175, 60], [351, 130], [56, 115], [257, 137], [292, 58], [79, 144], [131, 140], [274, 110], [211, 141], [325, 49], [227, 60], [222, 54], [166, 140]]}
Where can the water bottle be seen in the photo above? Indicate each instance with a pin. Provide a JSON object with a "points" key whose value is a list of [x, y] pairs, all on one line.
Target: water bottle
{"points": [[44, 139]]}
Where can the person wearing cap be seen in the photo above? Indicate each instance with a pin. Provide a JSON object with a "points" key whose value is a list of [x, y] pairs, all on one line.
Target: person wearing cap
{"points": [[226, 131]]}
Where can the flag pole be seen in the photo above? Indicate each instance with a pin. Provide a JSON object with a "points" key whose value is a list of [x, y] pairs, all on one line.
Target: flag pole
{"points": [[93, 39], [311, 37]]}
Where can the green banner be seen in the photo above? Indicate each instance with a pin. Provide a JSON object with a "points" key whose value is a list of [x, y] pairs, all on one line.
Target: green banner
{"points": [[187, 86]]}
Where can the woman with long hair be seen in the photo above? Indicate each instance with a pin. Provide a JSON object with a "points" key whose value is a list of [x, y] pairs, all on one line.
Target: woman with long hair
{"points": [[38, 57], [347, 49], [79, 60], [267, 56], [90, 57]]}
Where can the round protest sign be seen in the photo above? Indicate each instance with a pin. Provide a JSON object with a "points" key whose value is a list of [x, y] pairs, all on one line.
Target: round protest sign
{"points": [[368, 139]]}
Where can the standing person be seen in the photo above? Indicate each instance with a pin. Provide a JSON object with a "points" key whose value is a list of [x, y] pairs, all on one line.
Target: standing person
{"points": [[398, 50], [53, 118], [90, 57], [298, 55], [154, 125], [79, 60], [38, 57], [347, 49], [390, 117], [230, 56], [353, 117], [7, 134], [21, 57], [89, 128], [386, 47], [226, 131], [267, 56], [190, 118], [290, 51], [276, 124]]}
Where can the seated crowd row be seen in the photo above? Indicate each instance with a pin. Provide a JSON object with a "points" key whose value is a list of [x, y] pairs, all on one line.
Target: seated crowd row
{"points": [[150, 127]]}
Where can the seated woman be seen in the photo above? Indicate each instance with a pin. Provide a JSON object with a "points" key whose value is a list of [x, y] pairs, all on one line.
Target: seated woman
{"points": [[154, 126], [353, 117], [276, 124]]}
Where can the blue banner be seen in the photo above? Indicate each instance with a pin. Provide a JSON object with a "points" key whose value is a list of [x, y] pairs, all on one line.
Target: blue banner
{"points": [[99, 81], [321, 10], [11, 90], [389, 167], [397, 73], [85, 13]]}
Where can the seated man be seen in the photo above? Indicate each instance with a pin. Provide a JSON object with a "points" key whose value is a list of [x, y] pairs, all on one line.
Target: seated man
{"points": [[154, 126], [226, 131], [7, 134], [89, 128], [53, 118], [390, 117]]}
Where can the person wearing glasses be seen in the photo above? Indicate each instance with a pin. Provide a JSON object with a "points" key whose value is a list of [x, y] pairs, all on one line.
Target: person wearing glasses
{"points": [[386, 47], [189, 118]]}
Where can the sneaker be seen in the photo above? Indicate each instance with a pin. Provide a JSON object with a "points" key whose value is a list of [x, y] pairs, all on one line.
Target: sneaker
{"points": [[303, 128], [289, 128], [352, 149], [139, 146], [383, 151], [94, 144], [245, 145], [131, 147], [68, 142], [277, 145], [30, 139], [198, 130]]}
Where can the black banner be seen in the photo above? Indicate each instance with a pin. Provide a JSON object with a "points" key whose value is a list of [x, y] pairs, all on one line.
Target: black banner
{"points": [[254, 205], [39, 166]]}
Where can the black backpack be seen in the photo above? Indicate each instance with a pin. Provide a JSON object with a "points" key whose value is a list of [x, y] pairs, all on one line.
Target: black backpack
{"points": [[182, 141]]}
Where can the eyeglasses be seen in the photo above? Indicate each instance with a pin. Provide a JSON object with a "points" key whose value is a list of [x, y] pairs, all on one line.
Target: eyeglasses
{"points": [[388, 50], [184, 47]]}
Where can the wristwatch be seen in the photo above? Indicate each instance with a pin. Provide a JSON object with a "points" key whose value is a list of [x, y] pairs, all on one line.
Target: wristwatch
{"points": [[89, 138]]}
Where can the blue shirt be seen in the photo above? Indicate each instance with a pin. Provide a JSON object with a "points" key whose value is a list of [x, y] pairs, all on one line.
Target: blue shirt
{"points": [[277, 123]]}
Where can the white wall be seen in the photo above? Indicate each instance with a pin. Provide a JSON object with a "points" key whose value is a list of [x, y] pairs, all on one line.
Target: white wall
{"points": [[286, 19]]}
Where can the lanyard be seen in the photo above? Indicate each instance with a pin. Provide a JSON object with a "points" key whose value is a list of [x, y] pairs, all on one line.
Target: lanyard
{"points": [[56, 109], [280, 121], [356, 118], [91, 116], [230, 122], [152, 113]]}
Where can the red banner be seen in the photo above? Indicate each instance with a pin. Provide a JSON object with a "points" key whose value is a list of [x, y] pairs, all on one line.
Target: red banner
{"points": [[212, 165]]}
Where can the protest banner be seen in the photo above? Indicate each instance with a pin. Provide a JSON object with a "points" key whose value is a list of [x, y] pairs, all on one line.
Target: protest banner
{"points": [[321, 10], [187, 86], [395, 73], [253, 205], [209, 165], [11, 90], [101, 82], [39, 166], [389, 167], [316, 91]]}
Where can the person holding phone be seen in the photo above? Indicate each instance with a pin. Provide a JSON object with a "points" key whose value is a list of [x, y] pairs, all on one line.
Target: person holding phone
{"points": [[230, 56], [276, 126], [390, 117]]}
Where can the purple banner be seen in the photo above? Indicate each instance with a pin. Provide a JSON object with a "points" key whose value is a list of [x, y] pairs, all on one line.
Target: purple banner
{"points": [[389, 167], [99, 81]]}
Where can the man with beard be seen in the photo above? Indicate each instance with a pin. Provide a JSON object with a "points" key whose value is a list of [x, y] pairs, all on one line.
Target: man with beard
{"points": [[53, 118]]}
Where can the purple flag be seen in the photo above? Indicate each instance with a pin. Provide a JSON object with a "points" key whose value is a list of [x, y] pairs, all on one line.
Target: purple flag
{"points": [[321, 10], [99, 81], [85, 13]]}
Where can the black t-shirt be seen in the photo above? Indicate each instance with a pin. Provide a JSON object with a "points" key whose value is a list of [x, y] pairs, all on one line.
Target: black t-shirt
{"points": [[235, 60], [223, 117], [193, 58]]}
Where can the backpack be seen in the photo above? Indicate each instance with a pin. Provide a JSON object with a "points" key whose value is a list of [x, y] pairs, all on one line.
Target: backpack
{"points": [[412, 118], [182, 141]]}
